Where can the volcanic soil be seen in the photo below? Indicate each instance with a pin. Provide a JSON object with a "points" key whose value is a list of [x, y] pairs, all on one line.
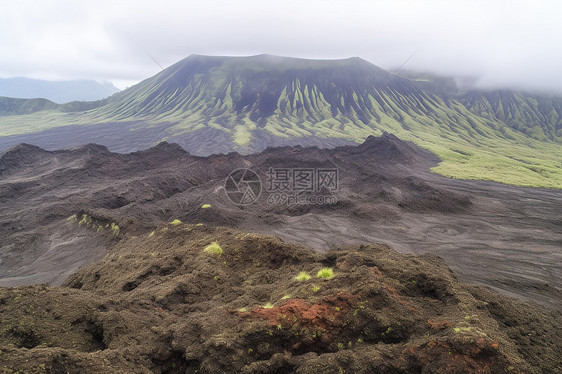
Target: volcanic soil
{"points": [[163, 303], [119, 242], [505, 237]]}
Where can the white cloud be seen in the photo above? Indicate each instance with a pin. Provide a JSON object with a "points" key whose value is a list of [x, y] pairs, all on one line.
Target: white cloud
{"points": [[514, 43]]}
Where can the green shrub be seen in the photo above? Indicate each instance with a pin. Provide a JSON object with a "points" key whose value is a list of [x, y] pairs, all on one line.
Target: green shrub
{"points": [[114, 229], [175, 222], [213, 249], [325, 273], [303, 276], [85, 220], [206, 206], [462, 329]]}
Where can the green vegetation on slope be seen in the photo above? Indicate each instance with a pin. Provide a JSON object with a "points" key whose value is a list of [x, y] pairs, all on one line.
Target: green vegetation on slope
{"points": [[505, 137]]}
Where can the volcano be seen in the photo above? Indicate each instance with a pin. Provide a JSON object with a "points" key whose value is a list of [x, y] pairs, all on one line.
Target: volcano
{"points": [[212, 104]]}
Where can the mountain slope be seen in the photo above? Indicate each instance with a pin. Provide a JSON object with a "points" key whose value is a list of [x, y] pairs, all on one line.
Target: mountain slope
{"points": [[538, 116], [534, 114], [249, 103], [265, 86]]}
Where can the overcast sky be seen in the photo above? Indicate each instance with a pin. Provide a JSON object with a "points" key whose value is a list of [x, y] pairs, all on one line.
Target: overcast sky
{"points": [[504, 43]]}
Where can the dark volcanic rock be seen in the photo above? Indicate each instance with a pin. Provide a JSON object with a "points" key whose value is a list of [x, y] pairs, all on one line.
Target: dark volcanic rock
{"points": [[20, 156], [161, 303], [502, 236]]}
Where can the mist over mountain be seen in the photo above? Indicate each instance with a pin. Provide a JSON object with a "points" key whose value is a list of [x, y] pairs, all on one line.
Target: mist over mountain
{"points": [[56, 91], [340, 97], [214, 104]]}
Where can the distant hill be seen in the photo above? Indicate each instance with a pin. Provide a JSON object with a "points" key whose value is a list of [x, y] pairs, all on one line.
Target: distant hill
{"points": [[220, 104], [56, 91]]}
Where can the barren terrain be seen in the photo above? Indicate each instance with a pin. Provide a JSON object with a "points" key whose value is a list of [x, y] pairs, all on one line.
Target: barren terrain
{"points": [[506, 237], [128, 246], [163, 303]]}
